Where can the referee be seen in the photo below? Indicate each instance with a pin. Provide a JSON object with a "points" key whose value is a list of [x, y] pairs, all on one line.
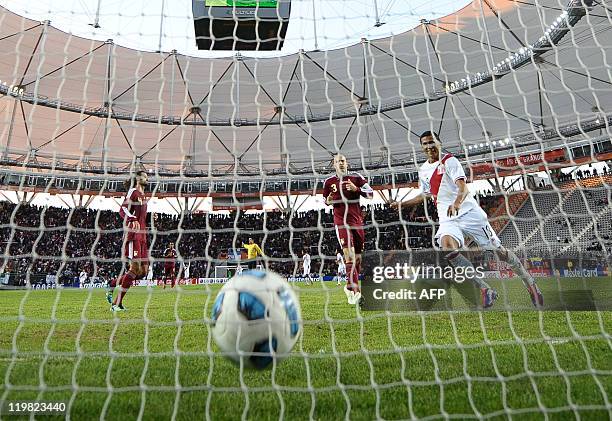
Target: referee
{"points": [[253, 251]]}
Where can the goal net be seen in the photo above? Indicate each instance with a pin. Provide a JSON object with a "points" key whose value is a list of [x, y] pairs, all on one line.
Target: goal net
{"points": [[237, 148]]}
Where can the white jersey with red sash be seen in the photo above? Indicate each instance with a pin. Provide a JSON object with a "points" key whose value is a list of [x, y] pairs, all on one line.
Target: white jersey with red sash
{"points": [[438, 180]]}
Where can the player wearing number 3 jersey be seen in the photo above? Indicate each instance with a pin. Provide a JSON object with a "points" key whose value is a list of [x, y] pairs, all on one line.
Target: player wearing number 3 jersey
{"points": [[343, 191], [443, 179]]}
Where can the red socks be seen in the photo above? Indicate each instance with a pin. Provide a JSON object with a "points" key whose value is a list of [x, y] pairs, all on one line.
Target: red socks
{"points": [[352, 277], [125, 282]]}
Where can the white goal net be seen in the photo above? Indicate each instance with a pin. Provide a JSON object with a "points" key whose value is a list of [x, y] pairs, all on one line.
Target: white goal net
{"points": [[239, 149]]}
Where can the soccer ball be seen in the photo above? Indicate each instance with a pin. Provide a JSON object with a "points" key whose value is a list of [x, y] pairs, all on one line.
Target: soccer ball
{"points": [[256, 318]]}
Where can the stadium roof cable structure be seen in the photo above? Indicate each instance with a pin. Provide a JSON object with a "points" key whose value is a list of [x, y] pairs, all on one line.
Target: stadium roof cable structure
{"points": [[532, 73]]}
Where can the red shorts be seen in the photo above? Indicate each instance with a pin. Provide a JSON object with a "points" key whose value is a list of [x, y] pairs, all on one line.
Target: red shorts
{"points": [[351, 237], [136, 250], [169, 270]]}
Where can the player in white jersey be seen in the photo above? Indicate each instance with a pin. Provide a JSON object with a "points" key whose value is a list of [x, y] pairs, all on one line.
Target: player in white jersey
{"points": [[306, 267], [341, 267], [82, 278], [443, 178]]}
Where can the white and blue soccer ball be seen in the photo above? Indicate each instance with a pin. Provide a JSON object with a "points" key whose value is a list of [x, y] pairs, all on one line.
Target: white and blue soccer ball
{"points": [[256, 317]]}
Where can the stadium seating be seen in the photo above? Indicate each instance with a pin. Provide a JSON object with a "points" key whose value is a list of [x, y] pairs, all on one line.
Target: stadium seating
{"points": [[563, 220], [64, 241]]}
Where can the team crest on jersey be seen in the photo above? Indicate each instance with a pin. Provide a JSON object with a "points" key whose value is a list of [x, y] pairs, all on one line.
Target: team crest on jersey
{"points": [[441, 169], [135, 253]]}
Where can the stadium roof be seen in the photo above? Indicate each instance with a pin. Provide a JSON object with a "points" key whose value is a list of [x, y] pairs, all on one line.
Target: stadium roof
{"points": [[160, 25], [84, 102]]}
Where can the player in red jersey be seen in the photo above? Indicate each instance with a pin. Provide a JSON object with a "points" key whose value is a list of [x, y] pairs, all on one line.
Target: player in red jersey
{"points": [[170, 264], [343, 191], [133, 211]]}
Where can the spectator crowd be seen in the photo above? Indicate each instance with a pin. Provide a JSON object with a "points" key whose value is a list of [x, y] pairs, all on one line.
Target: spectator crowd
{"points": [[64, 242]]}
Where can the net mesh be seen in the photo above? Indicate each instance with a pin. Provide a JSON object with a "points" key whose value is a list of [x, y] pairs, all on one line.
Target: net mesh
{"points": [[519, 93]]}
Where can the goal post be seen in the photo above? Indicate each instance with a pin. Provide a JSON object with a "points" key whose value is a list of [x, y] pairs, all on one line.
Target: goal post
{"points": [[226, 271]]}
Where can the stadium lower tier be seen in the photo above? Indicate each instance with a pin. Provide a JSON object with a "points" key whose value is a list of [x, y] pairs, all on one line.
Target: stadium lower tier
{"points": [[63, 242]]}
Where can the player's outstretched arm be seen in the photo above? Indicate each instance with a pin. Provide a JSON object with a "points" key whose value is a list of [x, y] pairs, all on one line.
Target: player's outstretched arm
{"points": [[409, 203]]}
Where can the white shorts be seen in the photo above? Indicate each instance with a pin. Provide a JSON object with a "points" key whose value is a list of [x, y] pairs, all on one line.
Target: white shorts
{"points": [[342, 270], [474, 224], [306, 271]]}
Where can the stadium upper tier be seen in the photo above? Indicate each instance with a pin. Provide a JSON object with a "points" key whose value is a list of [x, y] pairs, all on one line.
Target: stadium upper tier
{"points": [[491, 71]]}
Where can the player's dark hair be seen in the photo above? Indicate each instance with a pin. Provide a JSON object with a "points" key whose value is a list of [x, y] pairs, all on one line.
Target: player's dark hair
{"points": [[131, 182], [429, 133]]}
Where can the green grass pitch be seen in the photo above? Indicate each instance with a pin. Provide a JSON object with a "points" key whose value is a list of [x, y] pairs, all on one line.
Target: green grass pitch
{"points": [[157, 361]]}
